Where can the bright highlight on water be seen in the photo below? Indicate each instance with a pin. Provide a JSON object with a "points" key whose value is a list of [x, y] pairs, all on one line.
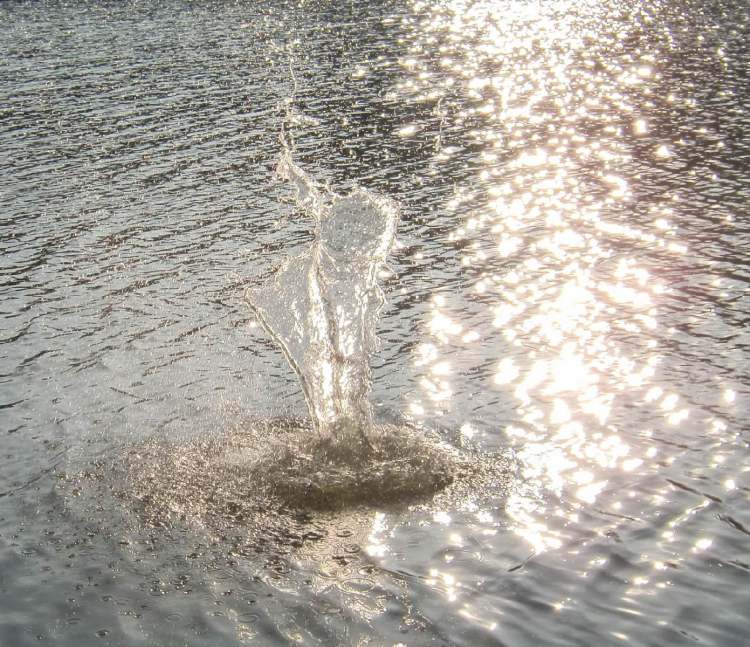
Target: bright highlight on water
{"points": [[539, 437]]}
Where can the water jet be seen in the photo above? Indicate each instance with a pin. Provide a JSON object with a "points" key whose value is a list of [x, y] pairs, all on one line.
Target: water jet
{"points": [[321, 306]]}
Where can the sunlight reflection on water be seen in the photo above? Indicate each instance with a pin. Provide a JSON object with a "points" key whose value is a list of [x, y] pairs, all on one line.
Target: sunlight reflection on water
{"points": [[569, 282], [562, 288], [561, 124]]}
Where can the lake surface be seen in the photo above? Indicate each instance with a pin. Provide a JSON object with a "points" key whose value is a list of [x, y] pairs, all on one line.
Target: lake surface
{"points": [[568, 304]]}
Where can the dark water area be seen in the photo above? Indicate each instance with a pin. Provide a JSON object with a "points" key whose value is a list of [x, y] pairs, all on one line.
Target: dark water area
{"points": [[566, 310]]}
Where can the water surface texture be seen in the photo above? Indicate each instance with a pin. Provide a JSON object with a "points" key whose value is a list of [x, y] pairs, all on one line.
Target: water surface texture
{"points": [[566, 305]]}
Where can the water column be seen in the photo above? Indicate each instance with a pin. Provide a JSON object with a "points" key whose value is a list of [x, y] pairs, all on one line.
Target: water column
{"points": [[321, 307]]}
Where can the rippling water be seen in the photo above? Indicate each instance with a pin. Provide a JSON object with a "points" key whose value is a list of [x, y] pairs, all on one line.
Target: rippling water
{"points": [[569, 295]]}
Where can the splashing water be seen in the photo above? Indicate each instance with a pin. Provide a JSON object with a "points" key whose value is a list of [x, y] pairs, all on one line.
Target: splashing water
{"points": [[321, 307]]}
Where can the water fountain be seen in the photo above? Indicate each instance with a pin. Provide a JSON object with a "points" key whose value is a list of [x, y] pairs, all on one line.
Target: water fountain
{"points": [[321, 309]]}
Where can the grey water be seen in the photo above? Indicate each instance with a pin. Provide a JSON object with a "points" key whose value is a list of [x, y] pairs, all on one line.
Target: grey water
{"points": [[565, 308]]}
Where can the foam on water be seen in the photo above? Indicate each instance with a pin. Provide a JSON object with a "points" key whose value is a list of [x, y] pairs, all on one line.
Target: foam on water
{"points": [[266, 476]]}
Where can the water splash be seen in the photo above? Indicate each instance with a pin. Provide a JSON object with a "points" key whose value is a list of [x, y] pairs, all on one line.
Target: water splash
{"points": [[321, 307]]}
